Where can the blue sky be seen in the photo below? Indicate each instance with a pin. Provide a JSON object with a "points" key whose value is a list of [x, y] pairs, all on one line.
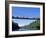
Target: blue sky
{"points": [[25, 11]]}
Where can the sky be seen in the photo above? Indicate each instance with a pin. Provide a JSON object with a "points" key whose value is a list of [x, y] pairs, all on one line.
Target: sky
{"points": [[25, 11]]}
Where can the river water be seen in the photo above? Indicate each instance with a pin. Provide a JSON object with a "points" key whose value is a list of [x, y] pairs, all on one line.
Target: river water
{"points": [[22, 29]]}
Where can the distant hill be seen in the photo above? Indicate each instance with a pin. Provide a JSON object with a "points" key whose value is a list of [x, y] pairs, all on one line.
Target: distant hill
{"points": [[33, 26]]}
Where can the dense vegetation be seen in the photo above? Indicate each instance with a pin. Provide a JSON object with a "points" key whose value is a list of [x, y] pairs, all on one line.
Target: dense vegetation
{"points": [[15, 26], [33, 26]]}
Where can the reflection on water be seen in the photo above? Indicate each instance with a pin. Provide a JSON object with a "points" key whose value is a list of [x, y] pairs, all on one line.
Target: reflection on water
{"points": [[23, 29]]}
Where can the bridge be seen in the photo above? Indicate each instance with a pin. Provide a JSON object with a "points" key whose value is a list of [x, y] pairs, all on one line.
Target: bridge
{"points": [[18, 17]]}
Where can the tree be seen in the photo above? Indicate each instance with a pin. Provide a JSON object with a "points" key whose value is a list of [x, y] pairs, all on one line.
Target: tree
{"points": [[15, 26], [33, 26]]}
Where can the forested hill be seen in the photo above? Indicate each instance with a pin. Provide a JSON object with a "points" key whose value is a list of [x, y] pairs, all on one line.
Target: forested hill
{"points": [[33, 26]]}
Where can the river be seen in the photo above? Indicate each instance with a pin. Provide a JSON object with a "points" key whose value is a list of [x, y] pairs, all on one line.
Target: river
{"points": [[22, 29]]}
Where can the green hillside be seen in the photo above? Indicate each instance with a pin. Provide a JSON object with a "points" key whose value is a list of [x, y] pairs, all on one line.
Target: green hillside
{"points": [[33, 26]]}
